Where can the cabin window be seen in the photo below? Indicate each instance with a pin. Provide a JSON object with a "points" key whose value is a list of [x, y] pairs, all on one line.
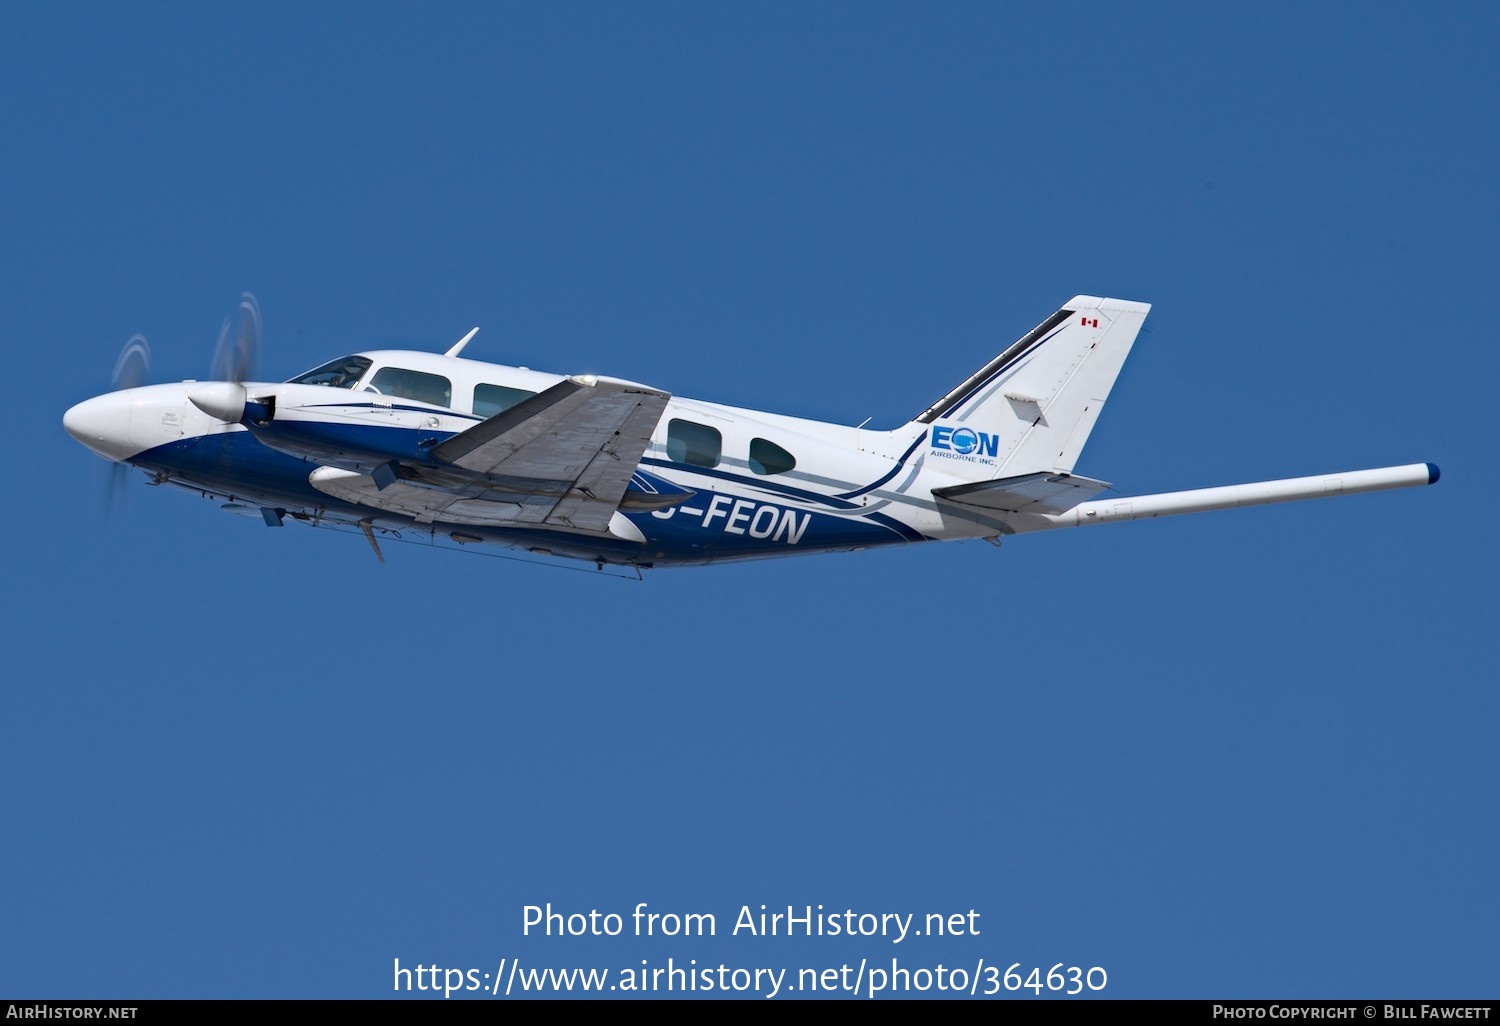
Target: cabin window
{"points": [[769, 458], [343, 373], [696, 444], [410, 384], [492, 399]]}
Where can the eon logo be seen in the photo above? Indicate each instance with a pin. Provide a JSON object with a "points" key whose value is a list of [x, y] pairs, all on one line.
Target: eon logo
{"points": [[965, 441]]}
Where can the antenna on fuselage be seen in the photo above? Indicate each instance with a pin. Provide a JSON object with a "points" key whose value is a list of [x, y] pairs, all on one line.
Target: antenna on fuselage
{"points": [[459, 345]]}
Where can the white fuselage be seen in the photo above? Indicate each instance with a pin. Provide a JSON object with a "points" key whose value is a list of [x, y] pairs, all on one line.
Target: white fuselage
{"points": [[846, 488]]}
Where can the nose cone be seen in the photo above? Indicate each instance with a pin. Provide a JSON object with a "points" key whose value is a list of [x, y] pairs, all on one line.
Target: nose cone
{"points": [[102, 424]]}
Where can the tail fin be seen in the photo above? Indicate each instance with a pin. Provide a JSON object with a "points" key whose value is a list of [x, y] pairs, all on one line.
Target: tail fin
{"points": [[1031, 408]]}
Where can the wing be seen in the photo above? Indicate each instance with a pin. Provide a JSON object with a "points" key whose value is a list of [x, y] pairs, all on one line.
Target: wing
{"points": [[560, 459]]}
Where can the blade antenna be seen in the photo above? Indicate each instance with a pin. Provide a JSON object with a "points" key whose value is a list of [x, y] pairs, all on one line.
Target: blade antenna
{"points": [[458, 346]]}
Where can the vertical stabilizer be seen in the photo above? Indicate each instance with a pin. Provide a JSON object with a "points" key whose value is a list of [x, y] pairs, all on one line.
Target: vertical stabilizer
{"points": [[1031, 408]]}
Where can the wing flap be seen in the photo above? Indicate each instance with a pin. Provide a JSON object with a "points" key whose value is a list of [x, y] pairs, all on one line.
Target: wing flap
{"points": [[426, 505], [1027, 493], [602, 485]]}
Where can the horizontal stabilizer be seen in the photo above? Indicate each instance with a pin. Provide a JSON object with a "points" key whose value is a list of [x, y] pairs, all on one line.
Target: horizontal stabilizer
{"points": [[1027, 493], [1257, 493]]}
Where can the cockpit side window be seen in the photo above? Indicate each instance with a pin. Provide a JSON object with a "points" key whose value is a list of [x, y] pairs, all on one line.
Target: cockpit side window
{"points": [[343, 373], [492, 399], [410, 384]]}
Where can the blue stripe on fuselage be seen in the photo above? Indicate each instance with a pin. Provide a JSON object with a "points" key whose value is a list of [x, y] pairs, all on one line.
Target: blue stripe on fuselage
{"points": [[758, 483], [344, 442], [890, 473], [387, 408]]}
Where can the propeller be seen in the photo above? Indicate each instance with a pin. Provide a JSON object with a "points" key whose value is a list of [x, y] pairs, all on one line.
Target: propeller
{"points": [[131, 369], [239, 343], [234, 361]]}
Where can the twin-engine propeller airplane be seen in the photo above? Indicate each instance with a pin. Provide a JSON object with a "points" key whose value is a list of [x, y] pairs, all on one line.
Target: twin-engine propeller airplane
{"points": [[614, 472]]}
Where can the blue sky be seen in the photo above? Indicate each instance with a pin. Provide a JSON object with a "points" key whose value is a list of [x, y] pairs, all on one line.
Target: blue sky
{"points": [[1235, 755]]}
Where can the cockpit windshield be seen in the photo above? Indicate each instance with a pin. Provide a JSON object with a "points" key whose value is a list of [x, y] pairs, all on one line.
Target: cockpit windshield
{"points": [[343, 373]]}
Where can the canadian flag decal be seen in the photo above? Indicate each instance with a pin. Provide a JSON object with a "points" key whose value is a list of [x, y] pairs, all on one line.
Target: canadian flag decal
{"points": [[1089, 322]]}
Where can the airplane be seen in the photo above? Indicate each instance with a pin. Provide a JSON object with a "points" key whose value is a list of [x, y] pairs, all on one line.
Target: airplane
{"points": [[444, 449]]}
